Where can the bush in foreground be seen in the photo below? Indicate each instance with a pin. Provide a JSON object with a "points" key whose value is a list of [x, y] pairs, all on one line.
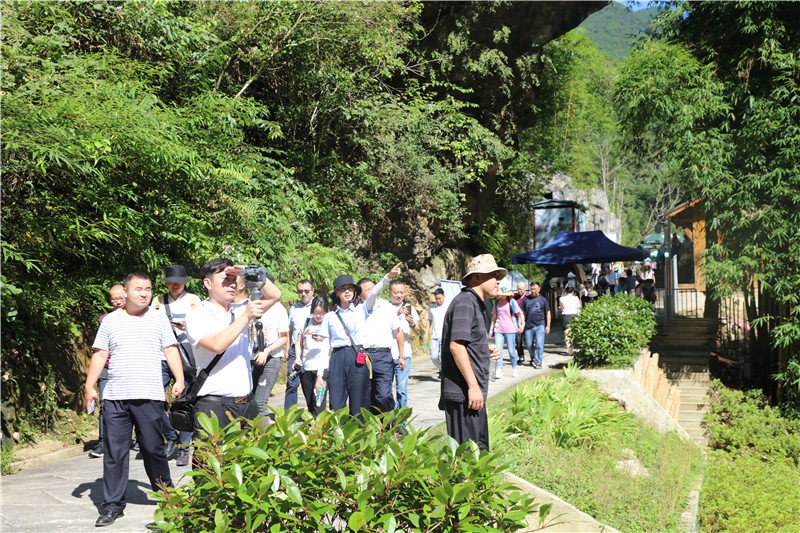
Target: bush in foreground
{"points": [[611, 330], [334, 473]]}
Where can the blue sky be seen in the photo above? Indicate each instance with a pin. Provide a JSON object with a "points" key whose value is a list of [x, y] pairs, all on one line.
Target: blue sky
{"points": [[634, 5]]}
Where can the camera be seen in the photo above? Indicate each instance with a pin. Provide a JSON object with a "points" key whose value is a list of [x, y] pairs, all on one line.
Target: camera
{"points": [[294, 374], [254, 276]]}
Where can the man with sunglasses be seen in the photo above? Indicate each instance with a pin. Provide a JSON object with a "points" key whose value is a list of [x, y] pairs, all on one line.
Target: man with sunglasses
{"points": [[298, 314]]}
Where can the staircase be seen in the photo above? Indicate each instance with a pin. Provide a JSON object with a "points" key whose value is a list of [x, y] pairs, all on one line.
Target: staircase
{"points": [[684, 348]]}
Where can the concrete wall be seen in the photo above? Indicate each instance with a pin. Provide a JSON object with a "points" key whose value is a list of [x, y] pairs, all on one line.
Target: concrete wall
{"points": [[625, 386]]}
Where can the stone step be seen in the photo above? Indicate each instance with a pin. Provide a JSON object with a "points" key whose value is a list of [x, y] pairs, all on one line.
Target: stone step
{"points": [[689, 376], [686, 371], [692, 407], [698, 396], [691, 419]]}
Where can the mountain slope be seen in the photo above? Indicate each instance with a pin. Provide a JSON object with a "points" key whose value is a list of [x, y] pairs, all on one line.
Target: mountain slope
{"points": [[614, 28]]}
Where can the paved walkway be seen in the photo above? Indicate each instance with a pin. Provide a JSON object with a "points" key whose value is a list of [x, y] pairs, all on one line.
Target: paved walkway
{"points": [[63, 496]]}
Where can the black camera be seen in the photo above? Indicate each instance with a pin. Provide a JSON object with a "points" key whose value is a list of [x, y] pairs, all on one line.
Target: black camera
{"points": [[294, 374]]}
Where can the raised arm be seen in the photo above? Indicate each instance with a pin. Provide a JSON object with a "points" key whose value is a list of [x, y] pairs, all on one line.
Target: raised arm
{"points": [[378, 289]]}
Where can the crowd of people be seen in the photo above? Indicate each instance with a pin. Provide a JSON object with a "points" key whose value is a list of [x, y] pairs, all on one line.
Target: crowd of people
{"points": [[349, 349]]}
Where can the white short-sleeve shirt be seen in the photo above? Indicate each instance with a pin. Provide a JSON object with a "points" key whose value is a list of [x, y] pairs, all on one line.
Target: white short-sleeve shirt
{"points": [[231, 375], [136, 345]]}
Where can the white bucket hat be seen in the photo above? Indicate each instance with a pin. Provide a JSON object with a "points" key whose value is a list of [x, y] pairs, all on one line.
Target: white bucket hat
{"points": [[483, 264]]}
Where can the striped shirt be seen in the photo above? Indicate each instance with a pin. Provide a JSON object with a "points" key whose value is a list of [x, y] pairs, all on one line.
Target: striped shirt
{"points": [[136, 344]]}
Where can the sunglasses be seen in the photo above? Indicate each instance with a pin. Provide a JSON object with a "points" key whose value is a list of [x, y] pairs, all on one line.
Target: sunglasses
{"points": [[305, 291]]}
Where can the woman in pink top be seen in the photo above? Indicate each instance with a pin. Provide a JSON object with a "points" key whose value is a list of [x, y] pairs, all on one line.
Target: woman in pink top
{"points": [[507, 321]]}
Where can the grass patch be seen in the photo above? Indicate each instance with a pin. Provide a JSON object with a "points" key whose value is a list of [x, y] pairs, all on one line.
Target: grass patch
{"points": [[564, 435]]}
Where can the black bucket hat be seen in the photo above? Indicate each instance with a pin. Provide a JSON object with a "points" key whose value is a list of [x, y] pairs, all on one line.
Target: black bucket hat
{"points": [[176, 274], [342, 281]]}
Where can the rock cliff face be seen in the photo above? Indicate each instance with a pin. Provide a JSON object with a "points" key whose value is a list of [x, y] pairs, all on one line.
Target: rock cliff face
{"points": [[598, 217]]}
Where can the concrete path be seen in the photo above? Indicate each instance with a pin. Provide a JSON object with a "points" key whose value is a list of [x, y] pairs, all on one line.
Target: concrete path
{"points": [[63, 496]]}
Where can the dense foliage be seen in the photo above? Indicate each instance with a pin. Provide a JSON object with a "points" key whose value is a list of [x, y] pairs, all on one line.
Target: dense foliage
{"points": [[570, 439], [612, 330], [754, 465], [314, 138], [720, 102], [334, 473]]}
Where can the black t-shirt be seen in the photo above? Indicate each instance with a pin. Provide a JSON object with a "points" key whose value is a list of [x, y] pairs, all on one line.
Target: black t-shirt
{"points": [[464, 321], [535, 310]]}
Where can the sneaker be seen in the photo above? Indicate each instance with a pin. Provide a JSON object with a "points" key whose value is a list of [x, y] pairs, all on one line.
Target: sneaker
{"points": [[135, 446], [499, 373], [97, 451], [183, 458], [514, 373]]}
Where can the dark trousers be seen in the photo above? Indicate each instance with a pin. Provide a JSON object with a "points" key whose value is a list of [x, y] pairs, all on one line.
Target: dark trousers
{"points": [[346, 380], [184, 438], [102, 381], [307, 381], [381, 399], [290, 398], [465, 424], [226, 410], [119, 418]]}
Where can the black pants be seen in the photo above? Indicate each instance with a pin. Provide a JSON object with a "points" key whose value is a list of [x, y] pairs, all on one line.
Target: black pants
{"points": [[465, 424], [120, 417], [347, 380], [308, 380], [381, 398], [223, 407]]}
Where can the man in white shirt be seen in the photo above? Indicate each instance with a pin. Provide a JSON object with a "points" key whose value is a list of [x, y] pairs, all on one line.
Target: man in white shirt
{"points": [[136, 336], [382, 339], [267, 364], [410, 325], [218, 327], [175, 304], [298, 314], [435, 324]]}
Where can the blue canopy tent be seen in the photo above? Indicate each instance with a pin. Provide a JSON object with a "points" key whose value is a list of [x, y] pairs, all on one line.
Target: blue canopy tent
{"points": [[580, 247]]}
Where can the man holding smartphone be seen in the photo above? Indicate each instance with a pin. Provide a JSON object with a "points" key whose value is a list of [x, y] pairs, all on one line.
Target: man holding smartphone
{"points": [[136, 336]]}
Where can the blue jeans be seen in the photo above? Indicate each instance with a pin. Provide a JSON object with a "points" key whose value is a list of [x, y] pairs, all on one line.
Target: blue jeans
{"points": [[401, 383], [537, 354], [511, 340], [436, 349], [290, 398]]}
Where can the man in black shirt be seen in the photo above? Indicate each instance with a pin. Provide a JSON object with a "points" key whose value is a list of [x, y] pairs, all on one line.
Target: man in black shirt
{"points": [[537, 323], [465, 354]]}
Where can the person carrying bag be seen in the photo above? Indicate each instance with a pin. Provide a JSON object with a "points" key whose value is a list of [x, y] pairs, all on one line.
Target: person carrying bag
{"points": [[182, 414]]}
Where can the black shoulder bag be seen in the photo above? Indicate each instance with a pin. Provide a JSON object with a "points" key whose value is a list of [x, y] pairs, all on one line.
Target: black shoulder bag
{"points": [[182, 410]]}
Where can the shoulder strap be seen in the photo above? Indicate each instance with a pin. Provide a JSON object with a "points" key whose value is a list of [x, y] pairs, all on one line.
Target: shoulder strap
{"points": [[165, 300], [201, 378], [355, 347]]}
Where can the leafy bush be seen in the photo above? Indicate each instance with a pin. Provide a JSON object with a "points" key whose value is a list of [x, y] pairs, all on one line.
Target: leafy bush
{"points": [[741, 422], [753, 474], [566, 412], [612, 330], [334, 473]]}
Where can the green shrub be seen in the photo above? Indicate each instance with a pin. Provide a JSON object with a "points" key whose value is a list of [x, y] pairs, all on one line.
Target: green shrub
{"points": [[744, 493], [739, 422], [612, 330], [753, 476], [334, 473], [6, 458]]}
